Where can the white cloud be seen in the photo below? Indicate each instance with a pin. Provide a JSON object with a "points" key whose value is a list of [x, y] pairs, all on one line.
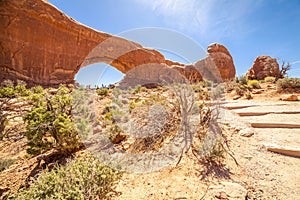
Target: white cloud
{"points": [[207, 17], [295, 62]]}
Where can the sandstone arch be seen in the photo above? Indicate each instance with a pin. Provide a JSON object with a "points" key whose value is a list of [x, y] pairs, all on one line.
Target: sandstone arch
{"points": [[41, 45]]}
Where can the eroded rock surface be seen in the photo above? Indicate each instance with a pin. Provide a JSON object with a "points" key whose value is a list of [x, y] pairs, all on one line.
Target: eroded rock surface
{"points": [[218, 65], [42, 45]]}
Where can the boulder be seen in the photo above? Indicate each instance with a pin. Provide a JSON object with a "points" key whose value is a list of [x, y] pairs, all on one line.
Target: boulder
{"points": [[218, 65], [189, 71], [289, 97], [263, 66]]}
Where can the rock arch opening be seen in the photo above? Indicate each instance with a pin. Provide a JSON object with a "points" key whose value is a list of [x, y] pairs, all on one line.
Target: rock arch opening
{"points": [[98, 75]]}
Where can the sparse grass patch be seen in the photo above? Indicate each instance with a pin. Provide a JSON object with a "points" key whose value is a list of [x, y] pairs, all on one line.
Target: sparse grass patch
{"points": [[139, 89], [5, 163], [288, 84], [270, 79], [82, 178], [242, 80]]}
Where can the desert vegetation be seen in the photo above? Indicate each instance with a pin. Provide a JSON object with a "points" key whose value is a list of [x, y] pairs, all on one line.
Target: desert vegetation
{"points": [[132, 121], [288, 84], [81, 178]]}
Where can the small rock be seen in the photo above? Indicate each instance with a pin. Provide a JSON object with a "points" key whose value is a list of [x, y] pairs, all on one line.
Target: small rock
{"points": [[248, 157], [119, 138], [236, 97], [126, 146], [228, 190], [289, 97], [246, 132], [237, 129], [97, 129], [3, 190], [259, 91]]}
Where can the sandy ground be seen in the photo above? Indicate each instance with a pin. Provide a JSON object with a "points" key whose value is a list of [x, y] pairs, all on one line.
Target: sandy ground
{"points": [[263, 174]]}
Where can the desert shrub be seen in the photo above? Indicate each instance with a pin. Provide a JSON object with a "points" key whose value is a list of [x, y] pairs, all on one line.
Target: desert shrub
{"points": [[139, 89], [5, 163], [248, 95], [208, 83], [242, 80], [290, 84], [50, 123], [102, 92], [8, 90], [114, 131], [82, 178], [198, 87], [254, 84], [270, 79], [208, 142], [12, 105], [37, 89], [107, 116], [212, 150]]}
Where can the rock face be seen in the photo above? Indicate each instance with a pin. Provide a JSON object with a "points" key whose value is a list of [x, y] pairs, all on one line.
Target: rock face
{"points": [[41, 45], [218, 65], [263, 66]]}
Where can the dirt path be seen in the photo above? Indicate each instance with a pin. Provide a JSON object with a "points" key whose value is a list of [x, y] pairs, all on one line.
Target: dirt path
{"points": [[265, 175], [276, 175]]}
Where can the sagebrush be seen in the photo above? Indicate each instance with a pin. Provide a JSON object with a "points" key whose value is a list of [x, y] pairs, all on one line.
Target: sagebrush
{"points": [[81, 179]]}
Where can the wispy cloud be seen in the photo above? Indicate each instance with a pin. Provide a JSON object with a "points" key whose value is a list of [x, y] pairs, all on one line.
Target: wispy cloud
{"points": [[206, 17], [295, 62]]}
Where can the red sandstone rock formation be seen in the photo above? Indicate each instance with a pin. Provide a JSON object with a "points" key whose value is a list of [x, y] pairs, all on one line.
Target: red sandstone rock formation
{"points": [[218, 65], [41, 45], [263, 66]]}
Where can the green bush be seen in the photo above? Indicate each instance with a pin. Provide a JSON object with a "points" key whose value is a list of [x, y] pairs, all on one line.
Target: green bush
{"points": [[290, 84], [242, 80], [254, 84], [102, 92], [83, 178], [8, 90], [50, 124], [139, 89], [208, 83], [248, 95], [5, 163], [270, 79]]}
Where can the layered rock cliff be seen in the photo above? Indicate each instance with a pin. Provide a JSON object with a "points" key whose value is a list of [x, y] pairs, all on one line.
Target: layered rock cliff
{"points": [[41, 45]]}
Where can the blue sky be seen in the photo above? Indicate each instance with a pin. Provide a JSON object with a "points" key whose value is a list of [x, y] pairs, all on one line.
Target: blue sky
{"points": [[248, 28]]}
